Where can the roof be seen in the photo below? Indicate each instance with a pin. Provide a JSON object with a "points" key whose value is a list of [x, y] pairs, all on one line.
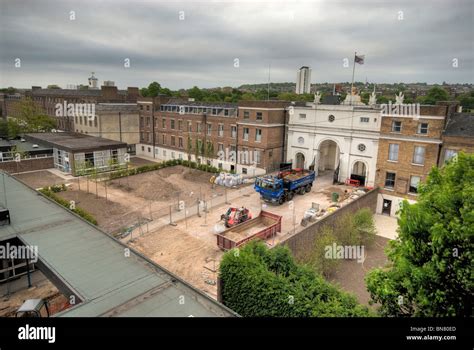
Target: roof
{"points": [[117, 107], [71, 92], [94, 265], [74, 142], [460, 124], [181, 102], [24, 146]]}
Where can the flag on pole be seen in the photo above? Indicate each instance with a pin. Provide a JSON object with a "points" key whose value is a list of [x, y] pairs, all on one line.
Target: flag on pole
{"points": [[359, 59]]}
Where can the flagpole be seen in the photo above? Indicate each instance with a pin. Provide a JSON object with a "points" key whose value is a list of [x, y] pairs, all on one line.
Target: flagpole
{"points": [[353, 71]]}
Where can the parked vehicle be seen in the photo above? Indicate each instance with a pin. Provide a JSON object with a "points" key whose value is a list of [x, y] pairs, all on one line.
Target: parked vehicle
{"points": [[235, 216], [264, 226], [282, 187]]}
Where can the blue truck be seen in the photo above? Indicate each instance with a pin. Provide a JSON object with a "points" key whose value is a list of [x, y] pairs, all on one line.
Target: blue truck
{"points": [[283, 186]]}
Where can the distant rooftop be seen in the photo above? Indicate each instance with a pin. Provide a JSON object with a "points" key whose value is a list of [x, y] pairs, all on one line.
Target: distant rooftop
{"points": [[73, 142], [181, 102], [84, 261]]}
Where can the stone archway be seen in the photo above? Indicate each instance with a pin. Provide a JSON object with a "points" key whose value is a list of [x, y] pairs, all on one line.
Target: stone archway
{"points": [[300, 159], [329, 154], [359, 172]]}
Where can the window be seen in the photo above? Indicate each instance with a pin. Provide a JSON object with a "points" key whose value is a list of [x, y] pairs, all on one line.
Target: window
{"points": [[172, 124], [180, 124], [361, 147], [163, 123], [149, 148], [419, 155], [246, 134], [209, 129], [141, 107], [233, 131], [244, 170], [246, 114], [393, 152], [147, 108], [364, 119], [302, 116], [396, 126], [414, 181], [172, 155], [301, 140], [143, 147], [95, 122], [173, 141], [90, 122], [390, 180], [199, 127], [259, 115], [180, 142], [331, 118], [448, 154], [220, 131], [190, 126], [423, 128], [226, 112], [258, 135], [220, 147], [258, 156], [163, 138]]}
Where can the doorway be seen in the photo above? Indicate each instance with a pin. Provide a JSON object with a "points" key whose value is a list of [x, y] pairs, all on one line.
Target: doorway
{"points": [[387, 207]]}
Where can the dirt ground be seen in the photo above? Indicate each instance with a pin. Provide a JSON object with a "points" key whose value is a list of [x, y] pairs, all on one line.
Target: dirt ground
{"points": [[184, 255], [168, 185], [42, 290], [38, 179], [350, 274], [137, 161]]}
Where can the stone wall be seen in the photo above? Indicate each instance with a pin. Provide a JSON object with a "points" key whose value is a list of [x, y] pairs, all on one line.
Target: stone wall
{"points": [[302, 242]]}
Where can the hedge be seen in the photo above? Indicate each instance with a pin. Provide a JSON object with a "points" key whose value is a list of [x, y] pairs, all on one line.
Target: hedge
{"points": [[165, 164], [65, 203], [261, 282]]}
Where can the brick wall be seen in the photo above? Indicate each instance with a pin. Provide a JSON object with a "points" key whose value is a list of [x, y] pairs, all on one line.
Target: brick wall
{"points": [[27, 165], [302, 242]]}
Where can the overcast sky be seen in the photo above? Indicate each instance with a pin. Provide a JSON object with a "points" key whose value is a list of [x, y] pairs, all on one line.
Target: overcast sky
{"points": [[403, 41]]}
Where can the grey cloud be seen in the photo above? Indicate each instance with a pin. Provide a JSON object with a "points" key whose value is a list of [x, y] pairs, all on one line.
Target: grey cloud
{"points": [[201, 49]]}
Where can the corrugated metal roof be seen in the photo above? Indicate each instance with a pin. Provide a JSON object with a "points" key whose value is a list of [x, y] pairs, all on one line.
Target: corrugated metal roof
{"points": [[95, 266]]}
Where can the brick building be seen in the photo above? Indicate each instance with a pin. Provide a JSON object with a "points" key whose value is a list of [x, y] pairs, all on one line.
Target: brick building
{"points": [[246, 138], [458, 136], [113, 121], [47, 100], [409, 146]]}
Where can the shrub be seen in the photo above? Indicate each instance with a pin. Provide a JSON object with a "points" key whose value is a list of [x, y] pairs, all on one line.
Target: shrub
{"points": [[261, 282], [79, 211], [317, 259]]}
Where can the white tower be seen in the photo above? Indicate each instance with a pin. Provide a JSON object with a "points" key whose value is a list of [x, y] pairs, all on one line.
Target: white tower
{"points": [[303, 80], [93, 82]]}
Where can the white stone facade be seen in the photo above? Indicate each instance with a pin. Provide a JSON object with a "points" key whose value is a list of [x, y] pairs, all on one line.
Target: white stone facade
{"points": [[332, 136]]}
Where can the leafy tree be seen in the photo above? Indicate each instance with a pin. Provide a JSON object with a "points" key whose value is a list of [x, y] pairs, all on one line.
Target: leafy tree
{"points": [[248, 97], [154, 89], [262, 282], [53, 86], [434, 95], [467, 101], [430, 271], [196, 93], [31, 119]]}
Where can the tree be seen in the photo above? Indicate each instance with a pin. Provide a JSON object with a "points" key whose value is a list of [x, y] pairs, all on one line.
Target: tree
{"points": [[261, 282], [430, 271], [195, 93], [467, 101], [53, 86], [31, 119], [154, 89], [434, 95]]}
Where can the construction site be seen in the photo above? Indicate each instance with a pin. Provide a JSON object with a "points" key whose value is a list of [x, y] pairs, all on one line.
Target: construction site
{"points": [[181, 221]]}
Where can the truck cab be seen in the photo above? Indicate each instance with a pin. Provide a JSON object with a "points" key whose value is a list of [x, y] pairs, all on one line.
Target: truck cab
{"points": [[283, 186]]}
